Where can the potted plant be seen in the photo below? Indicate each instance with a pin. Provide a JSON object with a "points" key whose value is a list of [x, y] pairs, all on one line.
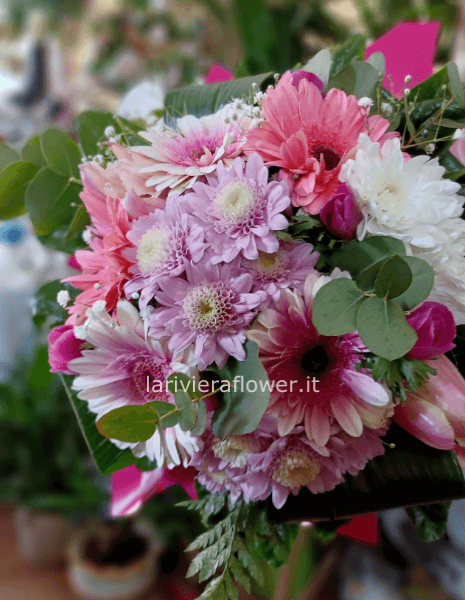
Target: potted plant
{"points": [[42, 461]]}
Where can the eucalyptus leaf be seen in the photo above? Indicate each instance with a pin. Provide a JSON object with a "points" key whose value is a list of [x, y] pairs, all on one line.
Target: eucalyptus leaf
{"points": [[344, 80], [132, 423], [187, 417], [394, 278], [320, 65], [356, 256], [32, 152], [367, 278], [384, 329], [335, 307], [422, 283], [180, 382], [411, 473], [201, 420], [8, 155], [366, 79], [13, 183], [61, 153], [49, 200], [240, 410], [455, 83], [378, 62]]}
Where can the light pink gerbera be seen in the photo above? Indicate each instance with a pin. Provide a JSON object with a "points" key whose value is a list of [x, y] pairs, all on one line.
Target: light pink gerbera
{"points": [[212, 308], [104, 268], [309, 137], [327, 386], [194, 149], [288, 267], [126, 367], [164, 242], [240, 210]]}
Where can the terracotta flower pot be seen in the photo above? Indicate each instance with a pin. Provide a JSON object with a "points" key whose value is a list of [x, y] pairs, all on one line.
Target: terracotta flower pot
{"points": [[92, 580], [41, 537]]}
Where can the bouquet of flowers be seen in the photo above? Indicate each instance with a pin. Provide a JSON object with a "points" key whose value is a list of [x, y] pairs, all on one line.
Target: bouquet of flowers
{"points": [[273, 275]]}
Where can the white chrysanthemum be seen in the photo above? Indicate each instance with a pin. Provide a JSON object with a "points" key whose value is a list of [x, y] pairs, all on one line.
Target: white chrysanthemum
{"points": [[408, 200], [128, 367]]}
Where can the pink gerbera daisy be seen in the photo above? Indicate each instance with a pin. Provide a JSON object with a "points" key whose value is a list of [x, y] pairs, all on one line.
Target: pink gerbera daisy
{"points": [[327, 386], [309, 137], [127, 367], [180, 156], [240, 210], [104, 268], [164, 242], [212, 308]]}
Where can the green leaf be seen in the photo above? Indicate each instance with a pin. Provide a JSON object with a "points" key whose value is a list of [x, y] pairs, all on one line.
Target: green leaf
{"points": [[135, 423], [13, 183], [46, 309], [367, 278], [108, 457], [431, 87], [180, 382], [91, 126], [430, 520], [356, 256], [336, 306], [8, 155], [32, 152], [201, 100], [201, 420], [366, 78], [455, 83], [422, 283], [61, 153], [378, 62], [49, 200], [80, 220], [450, 124], [187, 417], [353, 49], [394, 278], [162, 409], [384, 329], [411, 473], [241, 410], [344, 80], [320, 65]]}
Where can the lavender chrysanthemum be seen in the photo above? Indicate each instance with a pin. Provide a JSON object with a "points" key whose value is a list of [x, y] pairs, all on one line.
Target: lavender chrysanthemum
{"points": [[288, 267], [240, 210], [164, 242], [212, 308]]}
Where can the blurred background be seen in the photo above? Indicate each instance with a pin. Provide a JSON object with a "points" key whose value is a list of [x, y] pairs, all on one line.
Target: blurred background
{"points": [[61, 57]]}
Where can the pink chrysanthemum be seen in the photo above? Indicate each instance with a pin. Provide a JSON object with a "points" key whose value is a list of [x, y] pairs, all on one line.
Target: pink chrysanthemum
{"points": [[212, 308], [293, 461], [164, 242], [105, 269], [179, 157], [288, 267], [310, 137], [327, 386], [126, 367], [240, 210]]}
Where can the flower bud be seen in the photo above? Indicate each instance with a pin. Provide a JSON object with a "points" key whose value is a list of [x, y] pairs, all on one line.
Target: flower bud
{"points": [[435, 327], [341, 215]]}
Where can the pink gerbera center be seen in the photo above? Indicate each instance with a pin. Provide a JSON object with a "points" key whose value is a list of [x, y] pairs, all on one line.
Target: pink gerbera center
{"points": [[146, 375], [209, 308], [331, 157], [294, 468]]}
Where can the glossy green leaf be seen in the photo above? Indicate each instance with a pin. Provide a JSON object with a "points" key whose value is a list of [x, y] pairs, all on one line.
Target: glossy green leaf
{"points": [[455, 83], [202, 100], [430, 520], [106, 455], [13, 183], [431, 87], [32, 152], [133, 423], [411, 473], [353, 49], [356, 256], [61, 153], [422, 283], [80, 220], [335, 307], [241, 409], [8, 155], [384, 329], [394, 278], [45, 308], [50, 199]]}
